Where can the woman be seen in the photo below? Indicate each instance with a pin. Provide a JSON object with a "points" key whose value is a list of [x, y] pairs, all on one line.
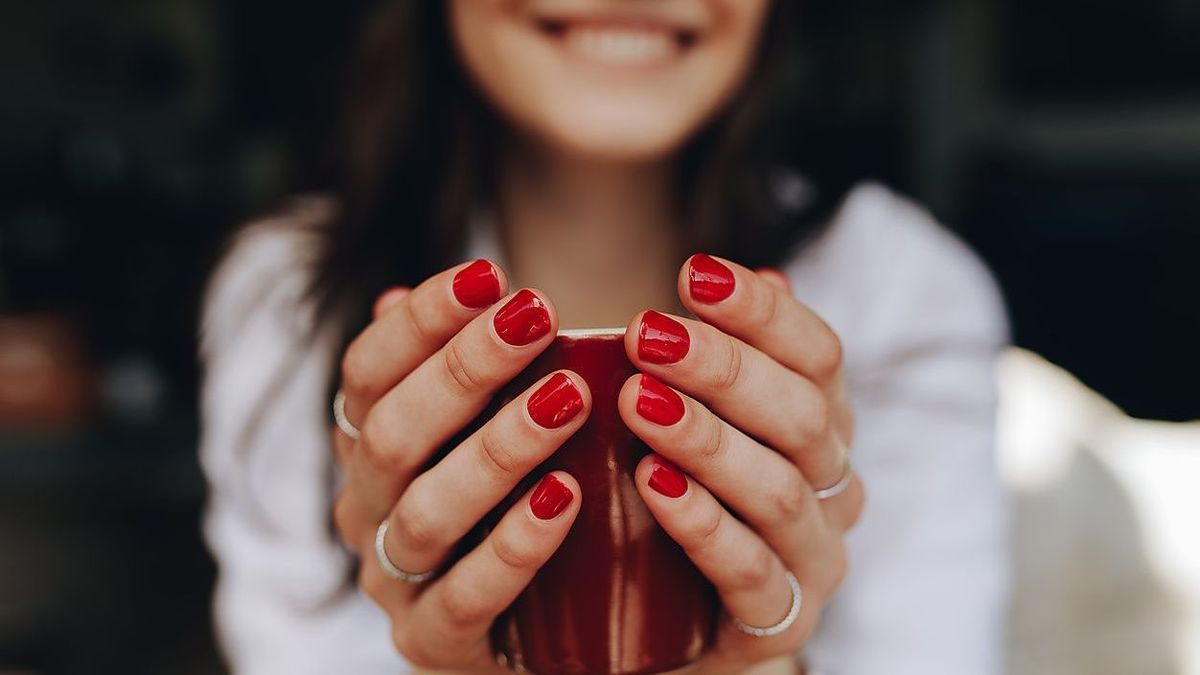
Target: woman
{"points": [[582, 151]]}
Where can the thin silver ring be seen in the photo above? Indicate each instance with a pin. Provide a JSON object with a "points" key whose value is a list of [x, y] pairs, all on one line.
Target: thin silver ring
{"points": [[387, 565], [793, 612], [339, 416], [838, 487]]}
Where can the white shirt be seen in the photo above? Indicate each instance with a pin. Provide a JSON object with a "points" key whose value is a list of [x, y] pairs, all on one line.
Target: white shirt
{"points": [[921, 322]]}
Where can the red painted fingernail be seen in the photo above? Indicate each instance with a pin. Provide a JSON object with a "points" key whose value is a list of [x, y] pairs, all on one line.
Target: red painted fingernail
{"points": [[555, 403], [523, 320], [550, 498], [709, 281], [662, 339], [666, 478], [477, 285], [658, 403]]}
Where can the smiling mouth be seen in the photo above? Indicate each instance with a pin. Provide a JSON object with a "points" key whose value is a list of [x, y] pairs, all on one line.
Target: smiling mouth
{"points": [[622, 44]]}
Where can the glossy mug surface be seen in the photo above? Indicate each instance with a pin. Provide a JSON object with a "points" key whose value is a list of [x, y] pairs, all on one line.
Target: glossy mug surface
{"points": [[619, 596]]}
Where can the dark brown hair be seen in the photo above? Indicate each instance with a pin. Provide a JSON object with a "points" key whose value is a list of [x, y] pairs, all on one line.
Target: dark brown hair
{"points": [[417, 145]]}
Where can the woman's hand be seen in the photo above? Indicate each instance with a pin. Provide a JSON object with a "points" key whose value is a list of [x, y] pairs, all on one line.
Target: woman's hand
{"points": [[425, 367], [750, 403]]}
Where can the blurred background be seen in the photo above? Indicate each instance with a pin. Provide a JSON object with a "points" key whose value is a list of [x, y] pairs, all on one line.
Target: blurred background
{"points": [[1060, 138]]}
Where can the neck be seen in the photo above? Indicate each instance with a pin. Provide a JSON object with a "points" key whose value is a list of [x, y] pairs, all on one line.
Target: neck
{"points": [[600, 237]]}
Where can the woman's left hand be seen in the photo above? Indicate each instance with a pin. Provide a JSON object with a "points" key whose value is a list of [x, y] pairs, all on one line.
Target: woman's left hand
{"points": [[748, 409]]}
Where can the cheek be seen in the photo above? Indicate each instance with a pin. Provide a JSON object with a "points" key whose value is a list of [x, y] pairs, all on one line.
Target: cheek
{"points": [[493, 45], [742, 23]]}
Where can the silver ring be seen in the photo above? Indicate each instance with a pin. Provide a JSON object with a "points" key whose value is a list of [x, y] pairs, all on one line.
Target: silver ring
{"points": [[387, 565], [840, 486], [339, 416], [793, 612]]}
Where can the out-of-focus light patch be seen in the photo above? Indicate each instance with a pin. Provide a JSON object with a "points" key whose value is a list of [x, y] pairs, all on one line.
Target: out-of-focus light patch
{"points": [[1158, 464], [1044, 411], [1047, 418]]}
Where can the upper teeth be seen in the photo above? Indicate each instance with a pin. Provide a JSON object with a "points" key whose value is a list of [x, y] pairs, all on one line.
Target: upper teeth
{"points": [[621, 45]]}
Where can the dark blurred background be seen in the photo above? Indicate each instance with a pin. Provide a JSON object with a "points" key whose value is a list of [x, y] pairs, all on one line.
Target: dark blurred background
{"points": [[1061, 138]]}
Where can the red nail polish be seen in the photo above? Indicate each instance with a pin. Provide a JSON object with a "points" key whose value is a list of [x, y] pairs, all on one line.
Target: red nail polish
{"points": [[662, 339], [550, 498], [477, 285], [523, 320], [658, 403], [666, 479], [555, 403], [709, 281]]}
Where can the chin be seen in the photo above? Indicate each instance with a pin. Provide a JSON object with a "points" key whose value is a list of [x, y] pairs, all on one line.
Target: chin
{"points": [[624, 137]]}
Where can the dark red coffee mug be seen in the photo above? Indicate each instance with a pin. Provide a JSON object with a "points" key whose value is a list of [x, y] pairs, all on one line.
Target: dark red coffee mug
{"points": [[619, 596]]}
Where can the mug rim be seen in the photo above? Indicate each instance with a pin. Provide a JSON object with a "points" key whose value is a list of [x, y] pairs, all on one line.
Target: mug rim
{"points": [[576, 333]]}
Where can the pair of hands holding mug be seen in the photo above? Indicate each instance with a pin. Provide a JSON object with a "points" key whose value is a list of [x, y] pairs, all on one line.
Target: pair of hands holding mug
{"points": [[745, 410]]}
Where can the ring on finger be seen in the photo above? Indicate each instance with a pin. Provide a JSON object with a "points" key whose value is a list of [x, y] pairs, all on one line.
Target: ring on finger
{"points": [[840, 486], [339, 416], [388, 566], [786, 623]]}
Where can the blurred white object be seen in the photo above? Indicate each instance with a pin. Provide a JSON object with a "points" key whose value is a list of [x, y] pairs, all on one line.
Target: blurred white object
{"points": [[1106, 546]]}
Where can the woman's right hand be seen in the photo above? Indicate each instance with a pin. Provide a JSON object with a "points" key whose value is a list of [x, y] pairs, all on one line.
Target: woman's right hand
{"points": [[415, 377]]}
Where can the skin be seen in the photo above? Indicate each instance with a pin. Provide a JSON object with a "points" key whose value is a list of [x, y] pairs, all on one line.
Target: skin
{"points": [[766, 415]]}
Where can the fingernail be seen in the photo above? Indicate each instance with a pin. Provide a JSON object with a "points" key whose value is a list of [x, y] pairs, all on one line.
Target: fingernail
{"points": [[658, 403], [523, 320], [555, 403], [666, 479], [709, 281], [662, 339], [550, 498], [477, 285]]}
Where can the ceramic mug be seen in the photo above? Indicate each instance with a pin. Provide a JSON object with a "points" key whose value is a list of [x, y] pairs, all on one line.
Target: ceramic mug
{"points": [[619, 595]]}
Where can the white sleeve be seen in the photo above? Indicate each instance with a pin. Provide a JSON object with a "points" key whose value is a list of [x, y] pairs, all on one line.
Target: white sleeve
{"points": [[285, 601], [922, 324]]}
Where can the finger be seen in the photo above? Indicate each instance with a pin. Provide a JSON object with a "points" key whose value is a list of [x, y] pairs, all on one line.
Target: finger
{"points": [[745, 305], [457, 611], [744, 386], [747, 573], [388, 299], [444, 503], [844, 510], [774, 277], [415, 327], [447, 391], [759, 484]]}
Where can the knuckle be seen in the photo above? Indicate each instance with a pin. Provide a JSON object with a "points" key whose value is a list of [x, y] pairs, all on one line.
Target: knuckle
{"points": [[788, 502], [715, 440], [514, 553], [856, 498], [827, 358], [704, 531], [418, 321], [794, 639], [370, 583], [730, 371], [374, 443], [460, 369], [814, 425], [356, 369], [497, 453], [835, 570], [343, 518], [754, 572], [464, 606], [411, 648], [413, 526], [767, 309]]}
